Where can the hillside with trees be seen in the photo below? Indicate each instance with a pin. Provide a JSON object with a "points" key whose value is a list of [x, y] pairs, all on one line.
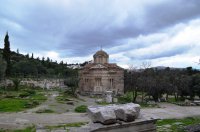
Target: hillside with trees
{"points": [[14, 64]]}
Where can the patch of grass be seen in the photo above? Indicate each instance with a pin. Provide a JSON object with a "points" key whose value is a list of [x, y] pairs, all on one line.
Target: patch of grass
{"points": [[76, 124], [171, 100], [12, 105], [39, 96], [31, 104], [14, 101], [81, 109], [28, 129], [24, 94], [62, 99], [45, 111], [103, 103], [176, 125]]}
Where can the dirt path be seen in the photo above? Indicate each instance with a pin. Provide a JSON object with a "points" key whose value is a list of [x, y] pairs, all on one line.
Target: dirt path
{"points": [[21, 119], [58, 107], [168, 111], [63, 113]]}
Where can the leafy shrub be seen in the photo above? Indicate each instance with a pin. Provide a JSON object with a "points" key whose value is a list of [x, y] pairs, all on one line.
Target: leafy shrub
{"points": [[31, 104], [31, 92], [24, 94], [44, 111], [68, 92], [16, 83], [127, 98], [81, 109], [10, 95]]}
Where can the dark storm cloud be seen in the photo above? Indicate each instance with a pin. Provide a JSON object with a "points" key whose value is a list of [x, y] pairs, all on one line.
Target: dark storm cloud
{"points": [[168, 14], [155, 18], [168, 53], [76, 28]]}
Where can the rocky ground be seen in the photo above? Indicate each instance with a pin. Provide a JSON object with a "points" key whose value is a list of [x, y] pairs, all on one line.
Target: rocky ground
{"points": [[61, 116], [59, 107]]}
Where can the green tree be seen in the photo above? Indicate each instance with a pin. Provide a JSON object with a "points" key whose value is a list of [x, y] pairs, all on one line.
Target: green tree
{"points": [[24, 68], [7, 54], [72, 83], [16, 83], [131, 79], [32, 56], [2, 68]]}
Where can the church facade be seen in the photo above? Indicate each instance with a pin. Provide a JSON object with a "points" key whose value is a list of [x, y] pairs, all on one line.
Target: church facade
{"points": [[101, 76]]}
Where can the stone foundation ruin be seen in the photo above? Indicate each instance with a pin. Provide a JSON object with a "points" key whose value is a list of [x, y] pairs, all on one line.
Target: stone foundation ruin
{"points": [[117, 118]]}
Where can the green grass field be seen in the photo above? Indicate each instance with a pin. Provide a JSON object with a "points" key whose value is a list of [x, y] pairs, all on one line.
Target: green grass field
{"points": [[12, 105], [176, 125], [15, 101]]}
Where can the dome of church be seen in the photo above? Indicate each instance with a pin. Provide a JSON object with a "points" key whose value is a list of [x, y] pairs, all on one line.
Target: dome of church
{"points": [[101, 53], [101, 57]]}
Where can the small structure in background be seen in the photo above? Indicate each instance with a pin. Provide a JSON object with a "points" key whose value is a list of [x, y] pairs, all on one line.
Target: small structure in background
{"points": [[101, 76], [109, 96]]}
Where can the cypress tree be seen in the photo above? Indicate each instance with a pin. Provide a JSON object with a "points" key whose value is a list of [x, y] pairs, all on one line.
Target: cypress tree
{"points": [[7, 53], [32, 56]]}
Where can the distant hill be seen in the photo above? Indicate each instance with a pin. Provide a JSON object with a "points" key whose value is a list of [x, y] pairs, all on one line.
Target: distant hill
{"points": [[164, 67], [26, 65]]}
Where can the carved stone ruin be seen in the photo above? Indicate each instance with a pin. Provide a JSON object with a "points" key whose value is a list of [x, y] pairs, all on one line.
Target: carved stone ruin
{"points": [[108, 96], [117, 118]]}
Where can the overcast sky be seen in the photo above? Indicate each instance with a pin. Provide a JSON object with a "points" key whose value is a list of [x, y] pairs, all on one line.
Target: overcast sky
{"points": [[163, 32]]}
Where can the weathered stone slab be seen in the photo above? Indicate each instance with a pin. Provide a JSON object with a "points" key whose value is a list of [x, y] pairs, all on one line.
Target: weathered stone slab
{"points": [[144, 124], [127, 112], [104, 115], [110, 113]]}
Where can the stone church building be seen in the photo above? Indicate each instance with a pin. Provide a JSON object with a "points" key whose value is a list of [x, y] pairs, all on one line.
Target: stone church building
{"points": [[101, 76]]}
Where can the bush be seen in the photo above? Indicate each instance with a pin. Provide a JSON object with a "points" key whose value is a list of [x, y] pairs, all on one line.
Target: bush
{"points": [[127, 98], [44, 111], [24, 94], [31, 92], [16, 83], [81, 109], [31, 104]]}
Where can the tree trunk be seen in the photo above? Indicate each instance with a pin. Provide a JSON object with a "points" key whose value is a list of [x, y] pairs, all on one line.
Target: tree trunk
{"points": [[175, 96], [142, 95], [134, 92], [167, 97]]}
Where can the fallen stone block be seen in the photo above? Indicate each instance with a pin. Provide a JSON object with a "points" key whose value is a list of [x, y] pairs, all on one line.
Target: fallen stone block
{"points": [[104, 115], [127, 112], [111, 113]]}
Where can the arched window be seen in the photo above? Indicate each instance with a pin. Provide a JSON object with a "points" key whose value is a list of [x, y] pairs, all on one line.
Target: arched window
{"points": [[98, 81]]}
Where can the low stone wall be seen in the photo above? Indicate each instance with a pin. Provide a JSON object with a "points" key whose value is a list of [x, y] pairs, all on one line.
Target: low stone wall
{"points": [[42, 83], [45, 83]]}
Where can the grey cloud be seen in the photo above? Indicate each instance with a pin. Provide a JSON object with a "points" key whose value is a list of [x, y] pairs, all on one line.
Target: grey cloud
{"points": [[156, 18], [165, 53], [80, 29]]}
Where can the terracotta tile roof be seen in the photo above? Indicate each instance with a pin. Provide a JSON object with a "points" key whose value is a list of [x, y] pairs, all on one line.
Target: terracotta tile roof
{"points": [[103, 66]]}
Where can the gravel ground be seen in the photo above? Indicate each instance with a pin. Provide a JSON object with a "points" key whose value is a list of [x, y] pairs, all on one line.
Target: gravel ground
{"points": [[25, 118]]}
